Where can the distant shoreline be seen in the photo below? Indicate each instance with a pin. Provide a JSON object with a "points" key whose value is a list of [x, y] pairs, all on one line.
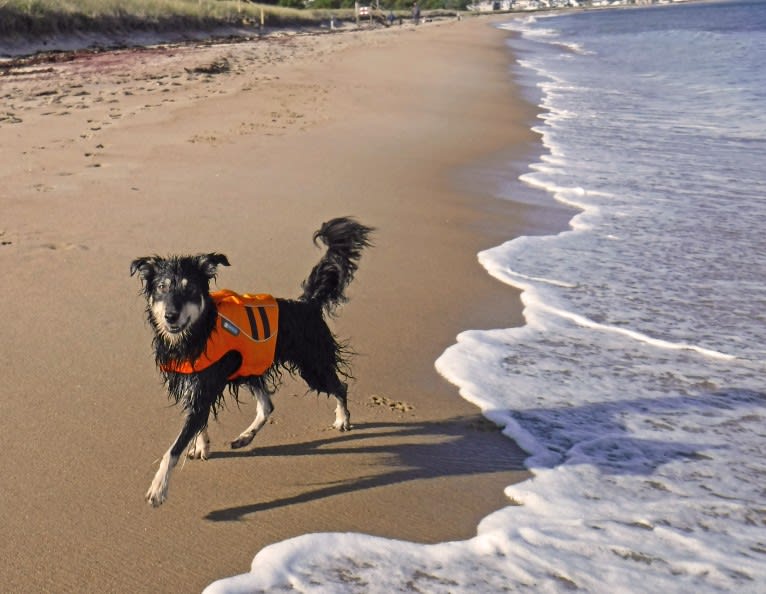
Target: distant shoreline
{"points": [[114, 36]]}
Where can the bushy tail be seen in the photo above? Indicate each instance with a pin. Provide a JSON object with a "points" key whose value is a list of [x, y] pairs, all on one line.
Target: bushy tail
{"points": [[327, 282]]}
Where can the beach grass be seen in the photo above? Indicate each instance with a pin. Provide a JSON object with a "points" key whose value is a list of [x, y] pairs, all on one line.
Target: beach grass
{"points": [[45, 17]]}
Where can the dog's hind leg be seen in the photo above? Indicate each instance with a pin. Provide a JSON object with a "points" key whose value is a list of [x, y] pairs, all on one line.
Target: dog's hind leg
{"points": [[342, 416], [200, 447], [263, 409], [328, 382], [158, 491]]}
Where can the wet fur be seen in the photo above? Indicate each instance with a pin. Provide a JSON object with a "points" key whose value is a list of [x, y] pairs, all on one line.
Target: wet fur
{"points": [[182, 315]]}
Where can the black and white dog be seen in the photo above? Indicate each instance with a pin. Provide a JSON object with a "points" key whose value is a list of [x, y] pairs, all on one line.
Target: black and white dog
{"points": [[186, 318]]}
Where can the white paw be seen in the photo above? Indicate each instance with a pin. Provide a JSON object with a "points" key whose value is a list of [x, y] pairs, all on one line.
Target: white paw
{"points": [[243, 440], [157, 493], [200, 448], [342, 425], [342, 418]]}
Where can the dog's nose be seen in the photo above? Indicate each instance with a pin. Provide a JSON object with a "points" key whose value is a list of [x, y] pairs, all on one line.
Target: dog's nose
{"points": [[172, 316]]}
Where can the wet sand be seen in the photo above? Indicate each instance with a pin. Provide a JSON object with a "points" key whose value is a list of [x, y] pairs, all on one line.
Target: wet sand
{"points": [[245, 149]]}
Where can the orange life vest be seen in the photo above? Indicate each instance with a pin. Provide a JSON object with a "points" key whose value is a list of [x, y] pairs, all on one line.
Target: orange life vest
{"points": [[246, 324]]}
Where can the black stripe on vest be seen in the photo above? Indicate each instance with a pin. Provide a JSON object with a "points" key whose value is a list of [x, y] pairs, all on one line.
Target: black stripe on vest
{"points": [[265, 322], [253, 323]]}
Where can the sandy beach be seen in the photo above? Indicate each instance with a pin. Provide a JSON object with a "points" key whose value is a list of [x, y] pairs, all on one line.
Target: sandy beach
{"points": [[246, 149]]}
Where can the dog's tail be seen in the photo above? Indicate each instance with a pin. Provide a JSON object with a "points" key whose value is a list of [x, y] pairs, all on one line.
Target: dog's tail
{"points": [[326, 284]]}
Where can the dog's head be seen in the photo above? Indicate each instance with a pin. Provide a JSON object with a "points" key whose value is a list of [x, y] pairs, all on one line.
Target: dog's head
{"points": [[176, 290]]}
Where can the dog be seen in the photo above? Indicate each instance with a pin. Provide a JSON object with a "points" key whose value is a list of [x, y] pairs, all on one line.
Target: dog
{"points": [[203, 341]]}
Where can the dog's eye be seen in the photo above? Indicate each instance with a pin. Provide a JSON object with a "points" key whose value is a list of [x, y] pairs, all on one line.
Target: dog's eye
{"points": [[163, 288]]}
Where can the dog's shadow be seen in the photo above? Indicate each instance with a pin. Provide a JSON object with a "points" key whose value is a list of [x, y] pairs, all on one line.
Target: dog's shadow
{"points": [[412, 451]]}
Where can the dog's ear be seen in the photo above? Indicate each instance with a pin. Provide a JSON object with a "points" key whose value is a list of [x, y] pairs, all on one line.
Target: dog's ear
{"points": [[209, 263], [144, 266]]}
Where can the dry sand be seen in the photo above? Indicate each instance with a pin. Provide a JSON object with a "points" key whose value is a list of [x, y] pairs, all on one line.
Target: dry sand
{"points": [[122, 154]]}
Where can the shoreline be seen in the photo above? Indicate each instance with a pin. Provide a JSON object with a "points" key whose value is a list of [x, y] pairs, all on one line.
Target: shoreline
{"points": [[377, 125]]}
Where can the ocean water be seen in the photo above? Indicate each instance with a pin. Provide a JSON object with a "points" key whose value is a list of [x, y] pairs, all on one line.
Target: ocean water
{"points": [[637, 383]]}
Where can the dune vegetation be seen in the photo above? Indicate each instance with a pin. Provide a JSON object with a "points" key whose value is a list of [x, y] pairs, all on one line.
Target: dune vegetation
{"points": [[29, 18], [47, 17]]}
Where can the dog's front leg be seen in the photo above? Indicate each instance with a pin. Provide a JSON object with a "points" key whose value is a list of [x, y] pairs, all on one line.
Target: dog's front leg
{"points": [[263, 408], [158, 491]]}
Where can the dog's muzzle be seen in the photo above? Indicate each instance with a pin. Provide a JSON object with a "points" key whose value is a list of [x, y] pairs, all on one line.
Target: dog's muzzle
{"points": [[171, 321]]}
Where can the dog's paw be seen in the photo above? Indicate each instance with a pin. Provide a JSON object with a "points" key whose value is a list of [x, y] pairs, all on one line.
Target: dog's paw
{"points": [[158, 490], [342, 418], [200, 448], [243, 440], [156, 496], [342, 425], [195, 453]]}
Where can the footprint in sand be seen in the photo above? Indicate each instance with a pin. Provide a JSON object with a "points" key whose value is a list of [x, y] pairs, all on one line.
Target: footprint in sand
{"points": [[63, 246], [205, 138], [10, 118], [392, 405]]}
